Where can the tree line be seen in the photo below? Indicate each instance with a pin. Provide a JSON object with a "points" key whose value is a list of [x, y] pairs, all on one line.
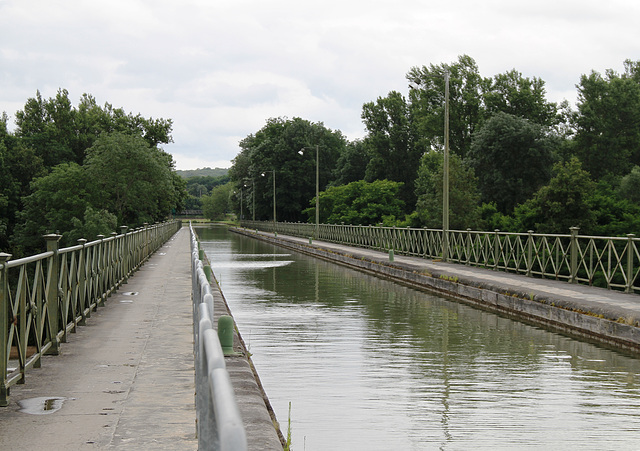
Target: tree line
{"points": [[518, 161], [82, 171]]}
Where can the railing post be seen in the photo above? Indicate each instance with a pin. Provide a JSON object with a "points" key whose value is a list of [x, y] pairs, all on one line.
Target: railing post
{"points": [[496, 249], [125, 255], [53, 280], [146, 240], [101, 272], [82, 282], [468, 247], [529, 253], [4, 328], [629, 285], [573, 276]]}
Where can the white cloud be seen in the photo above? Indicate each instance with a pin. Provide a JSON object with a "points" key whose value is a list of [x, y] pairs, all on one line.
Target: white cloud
{"points": [[220, 69]]}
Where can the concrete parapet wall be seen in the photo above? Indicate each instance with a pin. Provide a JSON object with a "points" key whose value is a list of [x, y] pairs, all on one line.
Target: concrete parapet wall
{"points": [[606, 324]]}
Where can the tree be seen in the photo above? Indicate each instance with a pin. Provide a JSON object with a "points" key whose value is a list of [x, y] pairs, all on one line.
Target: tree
{"points": [[389, 143], [607, 123], [630, 186], [287, 146], [48, 127], [427, 97], [564, 203], [218, 203], [60, 133], [464, 197], [519, 96], [57, 199], [512, 158], [360, 203], [352, 164], [132, 180]]}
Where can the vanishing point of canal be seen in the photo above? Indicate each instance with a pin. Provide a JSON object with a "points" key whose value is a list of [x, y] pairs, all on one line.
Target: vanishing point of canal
{"points": [[369, 364]]}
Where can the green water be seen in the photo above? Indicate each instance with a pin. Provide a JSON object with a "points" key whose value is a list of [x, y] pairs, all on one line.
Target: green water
{"points": [[372, 365]]}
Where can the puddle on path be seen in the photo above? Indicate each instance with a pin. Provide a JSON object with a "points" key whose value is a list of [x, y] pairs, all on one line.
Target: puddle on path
{"points": [[41, 406]]}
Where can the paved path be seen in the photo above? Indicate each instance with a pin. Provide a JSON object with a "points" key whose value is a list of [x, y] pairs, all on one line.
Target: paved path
{"points": [[127, 376]]}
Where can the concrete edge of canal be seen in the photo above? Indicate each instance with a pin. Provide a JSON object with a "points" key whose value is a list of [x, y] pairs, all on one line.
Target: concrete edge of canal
{"points": [[605, 324], [261, 425]]}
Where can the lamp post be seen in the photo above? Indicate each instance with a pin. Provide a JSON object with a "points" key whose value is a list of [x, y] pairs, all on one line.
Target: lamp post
{"points": [[317, 188], [241, 196], [274, 198], [445, 178]]}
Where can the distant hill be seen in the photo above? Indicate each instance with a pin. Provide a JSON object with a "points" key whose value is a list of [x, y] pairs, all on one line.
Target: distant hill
{"points": [[204, 172]]}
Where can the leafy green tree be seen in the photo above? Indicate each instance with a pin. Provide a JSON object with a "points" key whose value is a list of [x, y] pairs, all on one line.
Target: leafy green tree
{"points": [[360, 203], [279, 146], [607, 123], [464, 197], [216, 205], [520, 96], [93, 223], [352, 164], [630, 186], [47, 126], [512, 158], [427, 98], [132, 180], [614, 214], [57, 198], [60, 133], [202, 185], [389, 143], [564, 203]]}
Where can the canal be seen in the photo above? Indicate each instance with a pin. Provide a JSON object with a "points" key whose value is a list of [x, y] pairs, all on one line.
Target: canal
{"points": [[368, 364]]}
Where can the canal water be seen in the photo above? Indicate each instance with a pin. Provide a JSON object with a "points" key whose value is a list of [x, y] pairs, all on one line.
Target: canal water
{"points": [[368, 364]]}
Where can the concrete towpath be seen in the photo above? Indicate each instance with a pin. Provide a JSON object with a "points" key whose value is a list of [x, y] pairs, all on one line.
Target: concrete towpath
{"points": [[125, 380]]}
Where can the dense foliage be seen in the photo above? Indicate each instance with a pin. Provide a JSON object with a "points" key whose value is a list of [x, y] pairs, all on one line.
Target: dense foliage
{"points": [[518, 161], [82, 171]]}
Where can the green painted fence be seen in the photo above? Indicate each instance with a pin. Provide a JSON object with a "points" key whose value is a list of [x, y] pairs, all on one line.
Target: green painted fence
{"points": [[609, 262], [46, 296]]}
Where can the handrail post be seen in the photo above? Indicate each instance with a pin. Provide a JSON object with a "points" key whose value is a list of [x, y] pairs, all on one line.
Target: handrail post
{"points": [[529, 253], [496, 249], [4, 328], [629, 285], [573, 276], [53, 280], [101, 273], [82, 283], [125, 255], [146, 240], [468, 247]]}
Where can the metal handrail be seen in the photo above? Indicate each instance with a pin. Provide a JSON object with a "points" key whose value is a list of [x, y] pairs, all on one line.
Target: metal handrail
{"points": [[43, 297], [220, 425], [609, 262]]}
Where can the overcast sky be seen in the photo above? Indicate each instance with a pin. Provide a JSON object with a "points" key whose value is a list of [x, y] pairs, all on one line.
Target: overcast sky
{"points": [[221, 68]]}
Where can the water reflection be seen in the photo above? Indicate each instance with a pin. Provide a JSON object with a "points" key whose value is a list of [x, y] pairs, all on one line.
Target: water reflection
{"points": [[372, 365]]}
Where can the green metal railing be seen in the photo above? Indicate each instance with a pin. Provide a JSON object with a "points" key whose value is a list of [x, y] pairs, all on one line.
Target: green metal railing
{"points": [[46, 296], [609, 262]]}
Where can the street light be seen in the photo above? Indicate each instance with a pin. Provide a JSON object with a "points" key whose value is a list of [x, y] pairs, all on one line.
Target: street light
{"points": [[274, 198], [317, 187], [253, 181], [445, 178]]}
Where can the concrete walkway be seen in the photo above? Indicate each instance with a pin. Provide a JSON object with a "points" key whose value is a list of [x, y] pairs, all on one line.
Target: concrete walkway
{"points": [[126, 378], [609, 316]]}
